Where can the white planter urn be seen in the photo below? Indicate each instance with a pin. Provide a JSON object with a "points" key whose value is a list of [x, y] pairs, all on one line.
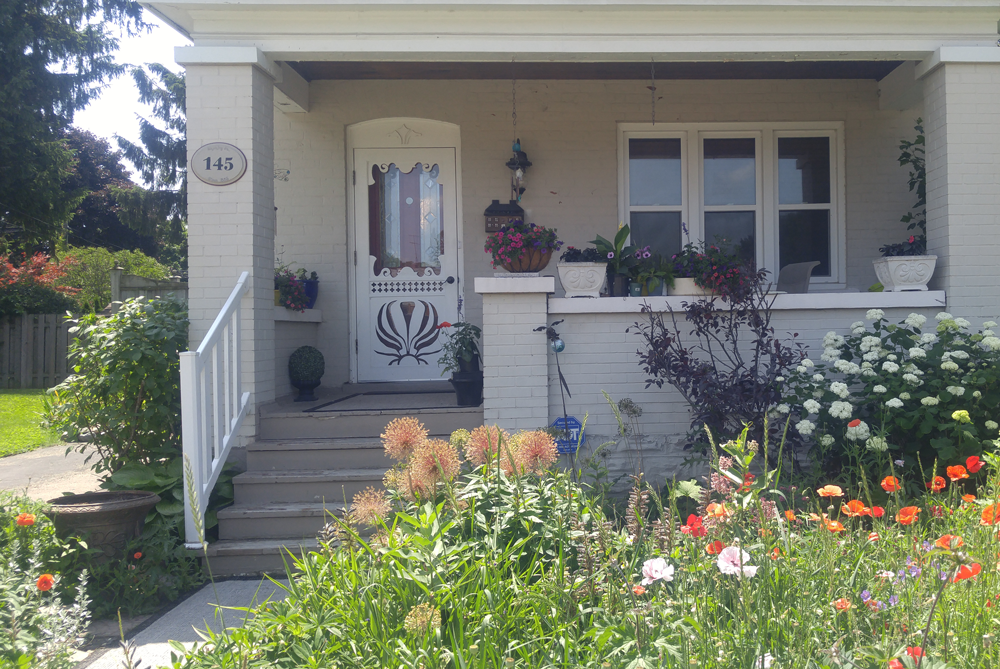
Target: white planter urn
{"points": [[900, 273], [582, 279], [687, 286]]}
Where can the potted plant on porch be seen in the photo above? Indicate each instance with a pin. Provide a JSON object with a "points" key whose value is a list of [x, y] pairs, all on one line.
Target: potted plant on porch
{"points": [[306, 367], [650, 275], [706, 269], [460, 356], [620, 257], [582, 272], [522, 247], [289, 292]]}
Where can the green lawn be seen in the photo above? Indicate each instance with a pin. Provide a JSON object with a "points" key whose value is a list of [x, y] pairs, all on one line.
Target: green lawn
{"points": [[20, 415]]}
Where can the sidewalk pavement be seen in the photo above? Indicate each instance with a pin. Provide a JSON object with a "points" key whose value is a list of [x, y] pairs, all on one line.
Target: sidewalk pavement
{"points": [[48, 472], [199, 611]]}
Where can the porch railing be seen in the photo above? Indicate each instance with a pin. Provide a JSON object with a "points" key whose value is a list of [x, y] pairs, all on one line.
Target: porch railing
{"points": [[213, 405]]}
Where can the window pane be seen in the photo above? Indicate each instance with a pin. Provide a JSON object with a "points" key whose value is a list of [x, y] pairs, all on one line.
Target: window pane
{"points": [[405, 219], [805, 236], [660, 230], [730, 171], [654, 171], [734, 231], [803, 170]]}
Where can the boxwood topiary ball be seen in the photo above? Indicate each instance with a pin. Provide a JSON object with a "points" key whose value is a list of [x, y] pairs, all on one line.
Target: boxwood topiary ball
{"points": [[306, 365]]}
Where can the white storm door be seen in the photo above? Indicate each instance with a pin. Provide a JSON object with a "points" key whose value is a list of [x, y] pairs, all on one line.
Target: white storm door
{"points": [[406, 274]]}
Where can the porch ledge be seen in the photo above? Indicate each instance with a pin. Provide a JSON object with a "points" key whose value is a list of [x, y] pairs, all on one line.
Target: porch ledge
{"points": [[515, 284], [607, 305], [307, 316]]}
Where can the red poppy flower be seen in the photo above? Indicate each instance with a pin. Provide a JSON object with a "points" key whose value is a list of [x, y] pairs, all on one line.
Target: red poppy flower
{"points": [[937, 484], [891, 484], [907, 515], [138, 555], [969, 498], [873, 536], [854, 423], [967, 571], [957, 473], [748, 480], [915, 651], [877, 512], [694, 527], [974, 464], [45, 582], [991, 515], [896, 664], [444, 324], [714, 548], [949, 541], [855, 508], [26, 519], [638, 590], [842, 604]]}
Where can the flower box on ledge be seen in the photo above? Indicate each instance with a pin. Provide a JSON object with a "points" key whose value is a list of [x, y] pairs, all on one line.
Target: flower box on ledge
{"points": [[583, 279], [899, 273]]}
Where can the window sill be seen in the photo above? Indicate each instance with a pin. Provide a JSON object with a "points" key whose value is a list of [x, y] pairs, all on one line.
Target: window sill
{"points": [[930, 299], [307, 316]]}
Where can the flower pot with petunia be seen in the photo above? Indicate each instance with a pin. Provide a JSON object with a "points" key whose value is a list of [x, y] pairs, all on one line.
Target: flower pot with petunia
{"points": [[621, 258], [306, 367], [707, 269], [650, 273], [582, 272], [522, 247], [460, 356], [290, 292]]}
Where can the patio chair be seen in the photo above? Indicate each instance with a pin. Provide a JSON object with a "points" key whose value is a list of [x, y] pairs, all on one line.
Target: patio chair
{"points": [[794, 278]]}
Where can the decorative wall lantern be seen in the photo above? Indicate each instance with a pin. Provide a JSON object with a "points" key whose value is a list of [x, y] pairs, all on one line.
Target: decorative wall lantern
{"points": [[499, 215], [517, 166]]}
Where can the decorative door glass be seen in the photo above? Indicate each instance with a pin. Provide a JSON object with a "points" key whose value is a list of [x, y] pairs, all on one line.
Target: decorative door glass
{"points": [[405, 220]]}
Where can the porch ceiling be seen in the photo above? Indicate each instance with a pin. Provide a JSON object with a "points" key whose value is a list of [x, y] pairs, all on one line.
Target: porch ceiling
{"points": [[848, 69]]}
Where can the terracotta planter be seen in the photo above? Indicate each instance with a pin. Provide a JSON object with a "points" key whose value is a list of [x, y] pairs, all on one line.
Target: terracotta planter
{"points": [[900, 273], [582, 279], [109, 520], [686, 286], [529, 261]]}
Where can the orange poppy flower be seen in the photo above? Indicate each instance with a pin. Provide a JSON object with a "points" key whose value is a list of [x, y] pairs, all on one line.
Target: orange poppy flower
{"points": [[790, 515], [957, 473], [830, 491], [877, 512], [907, 515], [45, 582], [834, 526], [896, 664], [748, 480], [775, 553], [891, 484], [855, 508], [842, 604], [854, 423], [974, 464], [714, 548], [718, 510], [991, 515], [937, 484], [638, 590], [138, 556], [915, 651], [873, 536], [969, 498], [967, 571], [26, 519], [949, 541]]}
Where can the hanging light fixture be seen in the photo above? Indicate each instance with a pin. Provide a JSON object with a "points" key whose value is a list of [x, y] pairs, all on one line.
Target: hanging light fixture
{"points": [[519, 163]]}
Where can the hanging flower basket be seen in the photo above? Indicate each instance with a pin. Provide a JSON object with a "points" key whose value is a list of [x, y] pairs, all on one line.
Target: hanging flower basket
{"points": [[529, 261], [522, 247]]}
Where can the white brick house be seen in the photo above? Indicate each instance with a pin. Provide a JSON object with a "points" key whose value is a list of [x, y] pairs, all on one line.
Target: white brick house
{"points": [[323, 91]]}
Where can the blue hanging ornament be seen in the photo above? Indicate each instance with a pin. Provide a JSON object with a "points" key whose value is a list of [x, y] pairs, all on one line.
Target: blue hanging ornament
{"points": [[558, 345]]}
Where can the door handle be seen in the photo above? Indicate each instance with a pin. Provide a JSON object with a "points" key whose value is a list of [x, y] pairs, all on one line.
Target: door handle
{"points": [[450, 279]]}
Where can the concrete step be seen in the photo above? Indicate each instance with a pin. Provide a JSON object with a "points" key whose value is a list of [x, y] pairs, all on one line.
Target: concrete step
{"points": [[290, 454], [289, 521], [256, 556], [287, 425], [315, 486]]}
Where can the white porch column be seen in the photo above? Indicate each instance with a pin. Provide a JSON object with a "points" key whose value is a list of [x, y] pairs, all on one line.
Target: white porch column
{"points": [[962, 125], [230, 98], [515, 357]]}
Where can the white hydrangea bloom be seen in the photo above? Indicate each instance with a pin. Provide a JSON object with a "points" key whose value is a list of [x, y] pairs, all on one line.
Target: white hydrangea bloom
{"points": [[871, 356], [846, 367], [976, 394], [805, 427], [840, 389], [841, 410], [808, 363], [943, 315], [949, 366], [857, 324], [877, 444], [866, 365], [912, 379], [830, 354], [827, 440], [989, 324], [869, 373], [783, 408], [858, 330], [928, 338], [913, 369], [904, 396], [870, 342], [917, 352], [959, 355], [832, 340], [859, 432], [915, 320], [880, 389], [890, 366], [801, 369], [892, 356], [992, 343], [988, 333], [992, 425], [930, 401], [894, 403], [818, 393], [818, 378], [875, 315], [962, 323], [779, 379], [957, 391], [812, 406]]}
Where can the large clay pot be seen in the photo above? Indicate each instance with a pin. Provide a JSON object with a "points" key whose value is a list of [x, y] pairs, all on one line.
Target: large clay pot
{"points": [[532, 260], [108, 520]]}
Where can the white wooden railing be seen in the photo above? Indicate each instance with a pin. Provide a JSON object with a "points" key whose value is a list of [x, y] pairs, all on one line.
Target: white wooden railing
{"points": [[213, 405]]}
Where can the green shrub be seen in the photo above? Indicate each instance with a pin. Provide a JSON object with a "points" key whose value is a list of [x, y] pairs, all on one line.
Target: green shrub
{"points": [[90, 272], [306, 364]]}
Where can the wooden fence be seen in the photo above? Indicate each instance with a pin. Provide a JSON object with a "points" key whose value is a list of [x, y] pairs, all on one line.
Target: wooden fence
{"points": [[33, 350]]}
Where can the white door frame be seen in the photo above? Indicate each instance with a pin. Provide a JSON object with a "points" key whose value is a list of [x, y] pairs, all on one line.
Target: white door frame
{"points": [[396, 133]]}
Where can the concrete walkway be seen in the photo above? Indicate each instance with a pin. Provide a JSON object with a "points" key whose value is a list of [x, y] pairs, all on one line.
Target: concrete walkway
{"points": [[48, 472], [200, 611]]}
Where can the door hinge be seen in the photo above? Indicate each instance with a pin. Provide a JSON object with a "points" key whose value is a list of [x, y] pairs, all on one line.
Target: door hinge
{"points": [[355, 257], [355, 345], [354, 178]]}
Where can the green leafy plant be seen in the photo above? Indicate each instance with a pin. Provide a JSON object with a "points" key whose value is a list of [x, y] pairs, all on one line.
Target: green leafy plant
{"points": [[462, 345], [620, 257], [589, 254], [912, 153], [90, 268]]}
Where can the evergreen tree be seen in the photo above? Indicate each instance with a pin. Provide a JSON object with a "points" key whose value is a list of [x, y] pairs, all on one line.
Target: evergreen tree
{"points": [[55, 56]]}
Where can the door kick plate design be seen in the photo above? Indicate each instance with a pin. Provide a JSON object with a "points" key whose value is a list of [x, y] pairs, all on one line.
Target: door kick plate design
{"points": [[409, 343]]}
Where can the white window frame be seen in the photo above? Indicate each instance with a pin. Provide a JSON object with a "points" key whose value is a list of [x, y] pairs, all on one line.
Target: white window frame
{"points": [[767, 134]]}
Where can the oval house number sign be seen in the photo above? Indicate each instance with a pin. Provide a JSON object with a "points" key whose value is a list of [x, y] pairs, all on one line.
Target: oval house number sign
{"points": [[219, 164]]}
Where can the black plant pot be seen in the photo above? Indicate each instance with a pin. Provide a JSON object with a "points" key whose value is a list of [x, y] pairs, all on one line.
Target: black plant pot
{"points": [[468, 388], [306, 389], [469, 366], [617, 285]]}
